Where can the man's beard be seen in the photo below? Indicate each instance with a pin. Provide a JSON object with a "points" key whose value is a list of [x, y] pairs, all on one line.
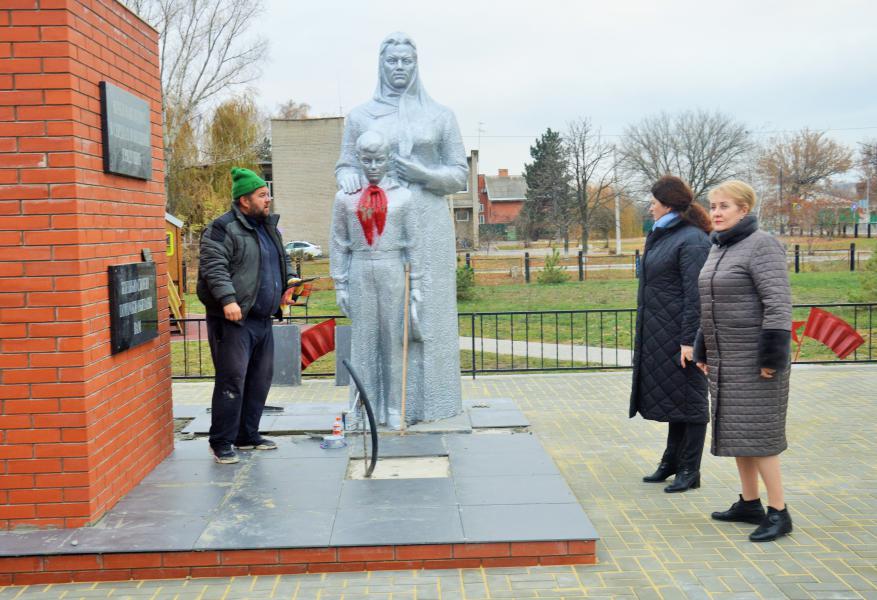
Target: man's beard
{"points": [[257, 215]]}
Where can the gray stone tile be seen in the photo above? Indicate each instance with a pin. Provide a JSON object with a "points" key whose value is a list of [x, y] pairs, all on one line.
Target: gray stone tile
{"points": [[318, 423], [529, 522], [139, 533], [399, 446], [387, 493], [481, 464], [291, 472], [459, 423], [19, 543], [193, 449], [187, 469], [246, 525], [403, 525], [484, 418], [200, 425], [493, 443], [183, 499], [513, 489], [295, 447], [291, 494]]}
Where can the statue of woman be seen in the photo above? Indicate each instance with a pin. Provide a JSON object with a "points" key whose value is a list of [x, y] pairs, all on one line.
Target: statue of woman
{"points": [[428, 159]]}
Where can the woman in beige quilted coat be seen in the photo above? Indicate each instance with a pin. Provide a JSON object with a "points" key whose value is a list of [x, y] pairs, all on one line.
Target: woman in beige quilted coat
{"points": [[743, 347]]}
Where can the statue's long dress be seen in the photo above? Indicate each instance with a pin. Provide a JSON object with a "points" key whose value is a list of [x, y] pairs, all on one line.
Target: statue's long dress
{"points": [[431, 136]]}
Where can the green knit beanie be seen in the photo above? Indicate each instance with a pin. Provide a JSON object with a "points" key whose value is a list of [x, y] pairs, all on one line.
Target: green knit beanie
{"points": [[244, 181]]}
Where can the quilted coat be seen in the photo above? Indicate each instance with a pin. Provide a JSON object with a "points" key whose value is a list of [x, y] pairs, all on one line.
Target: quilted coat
{"points": [[746, 320], [667, 317]]}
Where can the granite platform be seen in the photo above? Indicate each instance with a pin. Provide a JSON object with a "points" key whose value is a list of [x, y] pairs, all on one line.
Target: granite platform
{"points": [[293, 510]]}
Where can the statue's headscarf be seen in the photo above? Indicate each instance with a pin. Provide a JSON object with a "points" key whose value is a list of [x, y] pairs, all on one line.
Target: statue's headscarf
{"points": [[413, 103]]}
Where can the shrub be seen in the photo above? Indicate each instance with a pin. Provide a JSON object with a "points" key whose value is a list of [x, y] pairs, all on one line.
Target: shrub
{"points": [[553, 272], [465, 282]]}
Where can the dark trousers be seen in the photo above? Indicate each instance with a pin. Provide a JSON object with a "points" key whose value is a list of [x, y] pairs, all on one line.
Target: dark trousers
{"points": [[685, 445], [243, 357]]}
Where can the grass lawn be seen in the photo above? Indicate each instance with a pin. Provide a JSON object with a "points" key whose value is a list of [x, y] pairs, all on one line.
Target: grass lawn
{"points": [[609, 329], [807, 288]]}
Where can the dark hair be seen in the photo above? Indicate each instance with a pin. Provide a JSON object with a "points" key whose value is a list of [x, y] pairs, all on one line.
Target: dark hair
{"points": [[674, 193]]}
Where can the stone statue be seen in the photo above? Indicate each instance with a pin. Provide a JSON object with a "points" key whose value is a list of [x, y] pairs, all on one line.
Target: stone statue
{"points": [[429, 160], [374, 234]]}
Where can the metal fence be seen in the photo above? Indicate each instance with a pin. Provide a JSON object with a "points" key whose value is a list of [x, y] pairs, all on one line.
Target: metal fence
{"points": [[538, 341], [526, 267]]}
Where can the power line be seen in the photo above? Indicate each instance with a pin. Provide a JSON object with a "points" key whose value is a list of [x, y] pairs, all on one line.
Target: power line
{"points": [[753, 132]]}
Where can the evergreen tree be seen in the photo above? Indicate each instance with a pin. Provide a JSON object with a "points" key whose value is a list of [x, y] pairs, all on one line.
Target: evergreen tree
{"points": [[546, 210]]}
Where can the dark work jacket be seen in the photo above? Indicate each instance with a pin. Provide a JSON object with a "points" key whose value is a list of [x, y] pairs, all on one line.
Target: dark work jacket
{"points": [[667, 317], [229, 268]]}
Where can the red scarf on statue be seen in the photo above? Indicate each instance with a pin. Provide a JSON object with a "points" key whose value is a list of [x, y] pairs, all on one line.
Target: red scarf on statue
{"points": [[372, 212]]}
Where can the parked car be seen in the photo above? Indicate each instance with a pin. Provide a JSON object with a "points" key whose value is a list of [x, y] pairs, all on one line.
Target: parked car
{"points": [[307, 249]]}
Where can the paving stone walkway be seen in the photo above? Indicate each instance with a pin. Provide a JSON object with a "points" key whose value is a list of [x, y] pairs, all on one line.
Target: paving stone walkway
{"points": [[653, 545]]}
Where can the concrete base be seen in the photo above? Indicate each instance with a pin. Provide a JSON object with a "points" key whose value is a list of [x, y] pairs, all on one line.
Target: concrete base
{"points": [[292, 510]]}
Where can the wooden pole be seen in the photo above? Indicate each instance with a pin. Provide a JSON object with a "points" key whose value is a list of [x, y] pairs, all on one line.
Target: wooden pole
{"points": [[798, 351], [406, 310]]}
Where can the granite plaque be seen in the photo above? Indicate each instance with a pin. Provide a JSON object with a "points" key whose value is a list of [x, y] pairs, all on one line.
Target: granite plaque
{"points": [[133, 305], [126, 131]]}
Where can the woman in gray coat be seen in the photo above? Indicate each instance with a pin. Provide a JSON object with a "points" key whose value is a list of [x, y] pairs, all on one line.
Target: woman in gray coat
{"points": [[743, 347]]}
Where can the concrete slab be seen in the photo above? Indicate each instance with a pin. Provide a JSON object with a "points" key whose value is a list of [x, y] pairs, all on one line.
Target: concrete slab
{"points": [[515, 489], [389, 493], [398, 446], [488, 418], [526, 522], [416, 467], [398, 525]]}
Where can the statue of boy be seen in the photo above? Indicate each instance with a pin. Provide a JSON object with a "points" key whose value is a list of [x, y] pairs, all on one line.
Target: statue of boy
{"points": [[374, 234]]}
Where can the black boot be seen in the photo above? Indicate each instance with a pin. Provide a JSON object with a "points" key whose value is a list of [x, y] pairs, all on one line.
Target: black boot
{"points": [[743, 511], [686, 479], [776, 523], [664, 471]]}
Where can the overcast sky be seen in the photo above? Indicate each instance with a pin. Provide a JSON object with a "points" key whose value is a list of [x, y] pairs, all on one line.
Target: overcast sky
{"points": [[520, 66]]}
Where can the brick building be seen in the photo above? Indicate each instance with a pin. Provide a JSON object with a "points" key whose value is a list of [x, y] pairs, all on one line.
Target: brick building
{"points": [[502, 196], [79, 425]]}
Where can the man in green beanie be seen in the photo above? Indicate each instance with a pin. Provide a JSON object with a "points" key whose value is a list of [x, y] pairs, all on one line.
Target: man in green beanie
{"points": [[243, 277]]}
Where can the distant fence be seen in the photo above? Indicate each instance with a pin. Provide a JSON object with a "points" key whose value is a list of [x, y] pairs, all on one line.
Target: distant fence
{"points": [[524, 267], [536, 341]]}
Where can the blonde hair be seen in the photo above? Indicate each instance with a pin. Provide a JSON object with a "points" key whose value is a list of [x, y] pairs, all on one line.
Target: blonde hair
{"points": [[739, 191]]}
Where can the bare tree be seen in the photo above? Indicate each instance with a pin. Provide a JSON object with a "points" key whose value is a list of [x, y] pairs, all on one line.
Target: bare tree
{"points": [[702, 148], [799, 164], [591, 166], [293, 110], [204, 50]]}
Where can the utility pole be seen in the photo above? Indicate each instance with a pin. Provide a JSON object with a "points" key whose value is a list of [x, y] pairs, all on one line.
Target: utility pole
{"points": [[617, 203], [780, 200]]}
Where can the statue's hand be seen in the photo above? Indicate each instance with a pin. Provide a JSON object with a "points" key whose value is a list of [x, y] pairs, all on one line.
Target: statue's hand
{"points": [[343, 301], [411, 170], [416, 299], [349, 183]]}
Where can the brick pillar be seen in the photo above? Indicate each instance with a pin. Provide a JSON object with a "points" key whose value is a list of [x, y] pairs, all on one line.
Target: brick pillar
{"points": [[79, 427]]}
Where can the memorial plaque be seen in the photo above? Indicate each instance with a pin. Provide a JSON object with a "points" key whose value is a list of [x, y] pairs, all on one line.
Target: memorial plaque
{"points": [[126, 132], [133, 305]]}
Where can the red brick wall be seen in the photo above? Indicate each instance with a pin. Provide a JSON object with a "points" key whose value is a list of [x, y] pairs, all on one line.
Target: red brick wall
{"points": [[79, 427], [505, 212]]}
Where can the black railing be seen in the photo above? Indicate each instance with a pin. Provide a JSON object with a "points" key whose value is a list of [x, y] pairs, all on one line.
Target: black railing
{"points": [[539, 341]]}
